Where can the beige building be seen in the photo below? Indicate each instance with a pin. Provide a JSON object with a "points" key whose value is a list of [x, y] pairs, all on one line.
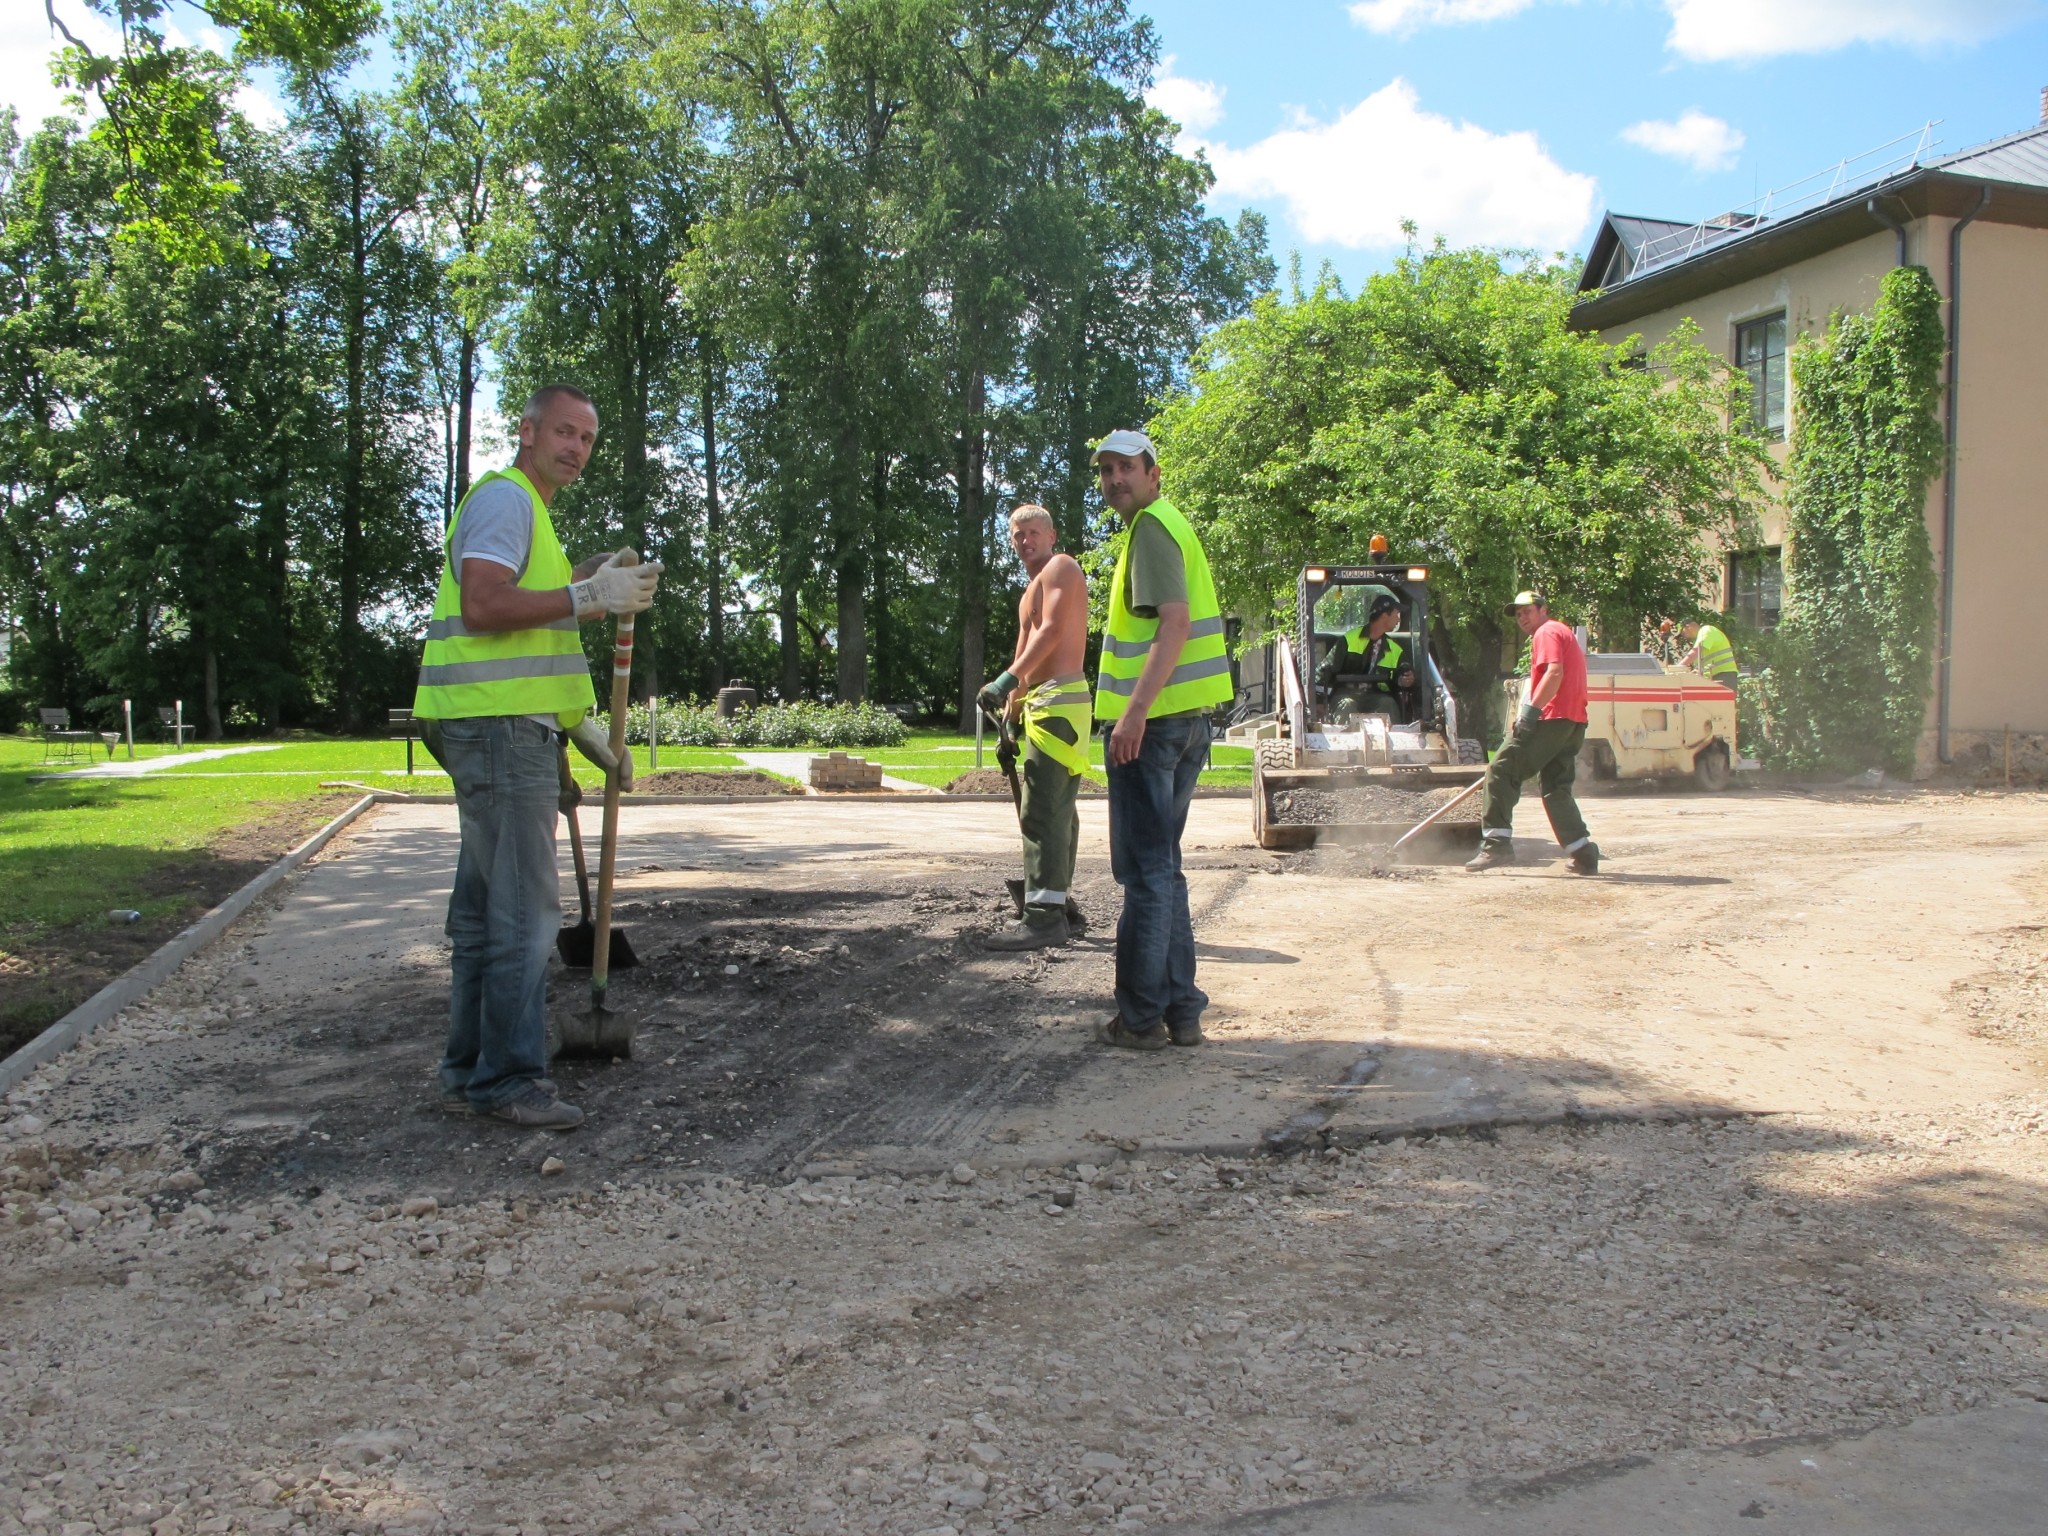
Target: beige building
{"points": [[1755, 282]]}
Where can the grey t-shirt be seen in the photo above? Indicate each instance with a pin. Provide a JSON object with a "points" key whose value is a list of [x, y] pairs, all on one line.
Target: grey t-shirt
{"points": [[496, 525]]}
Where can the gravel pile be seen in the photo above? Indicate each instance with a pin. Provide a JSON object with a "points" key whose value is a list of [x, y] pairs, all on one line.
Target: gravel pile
{"points": [[1381, 804], [724, 781], [1105, 1346], [990, 781]]}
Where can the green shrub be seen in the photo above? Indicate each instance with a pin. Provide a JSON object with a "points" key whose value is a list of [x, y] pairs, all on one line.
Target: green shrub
{"points": [[688, 723], [1851, 671]]}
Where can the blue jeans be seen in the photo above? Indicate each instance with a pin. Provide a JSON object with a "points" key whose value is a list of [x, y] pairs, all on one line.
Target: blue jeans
{"points": [[1155, 939], [506, 906]]}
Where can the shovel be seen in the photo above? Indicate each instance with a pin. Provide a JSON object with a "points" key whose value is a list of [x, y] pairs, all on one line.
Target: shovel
{"points": [[578, 942], [1436, 815], [602, 1033]]}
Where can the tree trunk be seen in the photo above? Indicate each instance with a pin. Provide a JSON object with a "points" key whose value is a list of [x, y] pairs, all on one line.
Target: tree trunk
{"points": [[210, 684], [973, 560], [356, 322], [883, 685], [465, 416], [853, 628], [714, 526]]}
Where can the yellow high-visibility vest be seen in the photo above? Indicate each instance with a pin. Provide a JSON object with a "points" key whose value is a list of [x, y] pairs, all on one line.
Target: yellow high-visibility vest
{"points": [[1716, 654], [1060, 698], [1201, 678], [539, 671], [1358, 644]]}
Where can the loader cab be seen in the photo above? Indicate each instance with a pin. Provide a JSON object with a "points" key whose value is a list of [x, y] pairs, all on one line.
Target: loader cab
{"points": [[1334, 600]]}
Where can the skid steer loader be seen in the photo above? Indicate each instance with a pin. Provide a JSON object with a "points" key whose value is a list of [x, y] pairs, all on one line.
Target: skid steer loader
{"points": [[1323, 775]]}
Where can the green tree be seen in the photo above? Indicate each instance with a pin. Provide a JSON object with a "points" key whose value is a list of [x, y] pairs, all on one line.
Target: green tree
{"points": [[1451, 407], [166, 107], [1852, 661]]}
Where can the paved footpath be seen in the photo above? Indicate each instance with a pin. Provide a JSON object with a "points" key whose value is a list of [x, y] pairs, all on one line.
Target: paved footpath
{"points": [[124, 769]]}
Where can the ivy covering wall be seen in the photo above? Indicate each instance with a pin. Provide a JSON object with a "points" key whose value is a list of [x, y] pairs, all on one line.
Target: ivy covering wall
{"points": [[1853, 662]]}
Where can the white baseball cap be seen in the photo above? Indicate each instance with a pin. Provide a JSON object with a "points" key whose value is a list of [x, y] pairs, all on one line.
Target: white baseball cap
{"points": [[1126, 441]]}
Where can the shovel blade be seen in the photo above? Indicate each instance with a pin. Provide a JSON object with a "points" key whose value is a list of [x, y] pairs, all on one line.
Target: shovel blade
{"points": [[597, 1033], [577, 945]]}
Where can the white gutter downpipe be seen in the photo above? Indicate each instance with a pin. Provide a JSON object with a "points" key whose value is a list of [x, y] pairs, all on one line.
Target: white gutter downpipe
{"points": [[1942, 670]]}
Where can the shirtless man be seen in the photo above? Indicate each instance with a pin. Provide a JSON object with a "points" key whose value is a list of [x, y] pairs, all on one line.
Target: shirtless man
{"points": [[1046, 677]]}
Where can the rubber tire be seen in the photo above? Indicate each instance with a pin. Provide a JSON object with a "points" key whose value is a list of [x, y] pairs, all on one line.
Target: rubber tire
{"points": [[1471, 754], [1710, 769], [1273, 755]]}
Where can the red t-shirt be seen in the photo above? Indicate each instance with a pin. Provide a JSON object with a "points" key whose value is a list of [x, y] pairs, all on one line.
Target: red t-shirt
{"points": [[1553, 645]]}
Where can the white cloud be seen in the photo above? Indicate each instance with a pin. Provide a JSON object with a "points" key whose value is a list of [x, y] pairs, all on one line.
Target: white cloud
{"points": [[1351, 182], [1702, 142], [1196, 105], [1405, 16], [26, 48], [1718, 31]]}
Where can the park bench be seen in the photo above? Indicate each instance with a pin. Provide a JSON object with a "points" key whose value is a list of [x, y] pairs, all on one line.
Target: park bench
{"points": [[401, 723], [169, 726], [61, 741]]}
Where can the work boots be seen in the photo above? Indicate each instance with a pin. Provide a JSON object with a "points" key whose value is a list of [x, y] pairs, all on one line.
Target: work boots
{"points": [[1586, 859], [1024, 934], [1077, 920], [1494, 853]]}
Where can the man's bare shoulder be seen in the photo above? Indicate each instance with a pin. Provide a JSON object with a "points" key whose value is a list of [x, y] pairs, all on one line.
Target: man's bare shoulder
{"points": [[1062, 569]]}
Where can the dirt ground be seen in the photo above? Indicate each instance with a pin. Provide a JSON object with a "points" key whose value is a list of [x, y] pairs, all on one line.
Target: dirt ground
{"points": [[730, 781], [1478, 1178]]}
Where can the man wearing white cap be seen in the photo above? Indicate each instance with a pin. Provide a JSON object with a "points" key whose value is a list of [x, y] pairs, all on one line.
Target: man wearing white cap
{"points": [[1164, 667]]}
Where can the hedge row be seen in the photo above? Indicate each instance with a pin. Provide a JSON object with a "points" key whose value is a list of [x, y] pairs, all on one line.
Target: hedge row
{"points": [[690, 724]]}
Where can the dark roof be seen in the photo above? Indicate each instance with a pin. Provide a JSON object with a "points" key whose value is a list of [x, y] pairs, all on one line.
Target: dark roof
{"points": [[1638, 265]]}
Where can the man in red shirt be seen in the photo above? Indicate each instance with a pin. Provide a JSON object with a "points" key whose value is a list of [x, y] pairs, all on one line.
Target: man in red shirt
{"points": [[1545, 742]]}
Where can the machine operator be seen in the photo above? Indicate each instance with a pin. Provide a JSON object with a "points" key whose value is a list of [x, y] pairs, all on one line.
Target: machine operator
{"points": [[1367, 669]]}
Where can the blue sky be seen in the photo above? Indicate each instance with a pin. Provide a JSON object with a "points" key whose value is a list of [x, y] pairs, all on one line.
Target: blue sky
{"points": [[1509, 121]]}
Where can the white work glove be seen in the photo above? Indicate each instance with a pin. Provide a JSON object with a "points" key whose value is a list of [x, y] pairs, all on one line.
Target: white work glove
{"points": [[616, 588], [594, 743]]}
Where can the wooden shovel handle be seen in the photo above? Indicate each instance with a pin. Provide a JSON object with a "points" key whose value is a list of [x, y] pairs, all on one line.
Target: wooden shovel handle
{"points": [[608, 847]]}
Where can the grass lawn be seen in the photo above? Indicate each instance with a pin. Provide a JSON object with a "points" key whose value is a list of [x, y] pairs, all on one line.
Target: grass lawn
{"points": [[73, 849]]}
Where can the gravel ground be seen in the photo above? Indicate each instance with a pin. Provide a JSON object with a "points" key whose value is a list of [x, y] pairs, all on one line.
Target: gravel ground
{"points": [[1080, 1349], [1368, 804]]}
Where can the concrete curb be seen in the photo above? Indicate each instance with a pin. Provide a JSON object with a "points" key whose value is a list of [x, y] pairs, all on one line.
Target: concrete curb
{"points": [[135, 983], [937, 797]]}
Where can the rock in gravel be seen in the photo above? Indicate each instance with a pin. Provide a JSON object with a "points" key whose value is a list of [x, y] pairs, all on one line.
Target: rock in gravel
{"points": [[963, 1173], [182, 1182], [551, 1166], [420, 1205]]}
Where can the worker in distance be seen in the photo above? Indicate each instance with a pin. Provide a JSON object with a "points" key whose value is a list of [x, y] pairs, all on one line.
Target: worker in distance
{"points": [[1047, 685], [1711, 655]]}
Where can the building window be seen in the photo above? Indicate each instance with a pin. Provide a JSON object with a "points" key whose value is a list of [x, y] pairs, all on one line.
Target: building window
{"points": [[1760, 353], [1756, 587]]}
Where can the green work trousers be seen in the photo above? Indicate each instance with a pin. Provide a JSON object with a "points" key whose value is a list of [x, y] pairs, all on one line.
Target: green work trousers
{"points": [[1050, 819], [1548, 750]]}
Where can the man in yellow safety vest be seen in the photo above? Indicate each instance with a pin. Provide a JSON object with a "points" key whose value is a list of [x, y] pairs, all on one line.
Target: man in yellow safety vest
{"points": [[502, 679], [1711, 654], [1164, 667], [1367, 670]]}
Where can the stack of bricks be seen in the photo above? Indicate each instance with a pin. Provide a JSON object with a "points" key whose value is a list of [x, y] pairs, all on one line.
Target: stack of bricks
{"points": [[842, 772]]}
